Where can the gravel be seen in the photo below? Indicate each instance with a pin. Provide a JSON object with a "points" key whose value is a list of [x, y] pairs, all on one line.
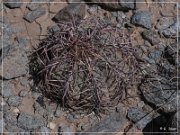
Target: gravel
{"points": [[29, 122], [31, 16], [14, 101], [142, 18], [151, 36], [13, 3]]}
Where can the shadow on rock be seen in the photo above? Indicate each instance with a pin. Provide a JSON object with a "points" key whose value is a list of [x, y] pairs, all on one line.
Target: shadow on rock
{"points": [[161, 125]]}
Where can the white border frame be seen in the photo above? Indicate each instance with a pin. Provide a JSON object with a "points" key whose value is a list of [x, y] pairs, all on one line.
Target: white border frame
{"points": [[177, 5]]}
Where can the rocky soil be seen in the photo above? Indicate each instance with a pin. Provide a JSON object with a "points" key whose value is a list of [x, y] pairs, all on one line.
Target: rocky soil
{"points": [[150, 107]]}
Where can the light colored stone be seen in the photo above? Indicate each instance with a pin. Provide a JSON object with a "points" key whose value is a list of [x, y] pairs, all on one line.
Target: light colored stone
{"points": [[16, 111], [51, 125]]}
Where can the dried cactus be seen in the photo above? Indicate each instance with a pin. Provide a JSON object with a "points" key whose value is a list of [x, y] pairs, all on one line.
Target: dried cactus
{"points": [[86, 66]]}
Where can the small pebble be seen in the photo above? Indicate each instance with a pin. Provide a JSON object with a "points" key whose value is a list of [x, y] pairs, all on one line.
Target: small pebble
{"points": [[52, 125], [23, 93], [16, 111]]}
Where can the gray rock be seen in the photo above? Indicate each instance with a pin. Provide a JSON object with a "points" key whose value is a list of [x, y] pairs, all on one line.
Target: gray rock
{"points": [[75, 10], [161, 94], [12, 129], [50, 110], [123, 19], [7, 90], [138, 116], [23, 93], [4, 44], [171, 31], [113, 123], [29, 122], [164, 23], [45, 131], [5, 108], [23, 41], [143, 122], [127, 4], [155, 55], [171, 54], [24, 81], [19, 60], [142, 18], [5, 48], [151, 36], [38, 108], [14, 101], [7, 29], [13, 3], [34, 4], [149, 60], [70, 118], [114, 13], [35, 95], [10, 118], [33, 15], [64, 130], [58, 112], [116, 4], [53, 29]]}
